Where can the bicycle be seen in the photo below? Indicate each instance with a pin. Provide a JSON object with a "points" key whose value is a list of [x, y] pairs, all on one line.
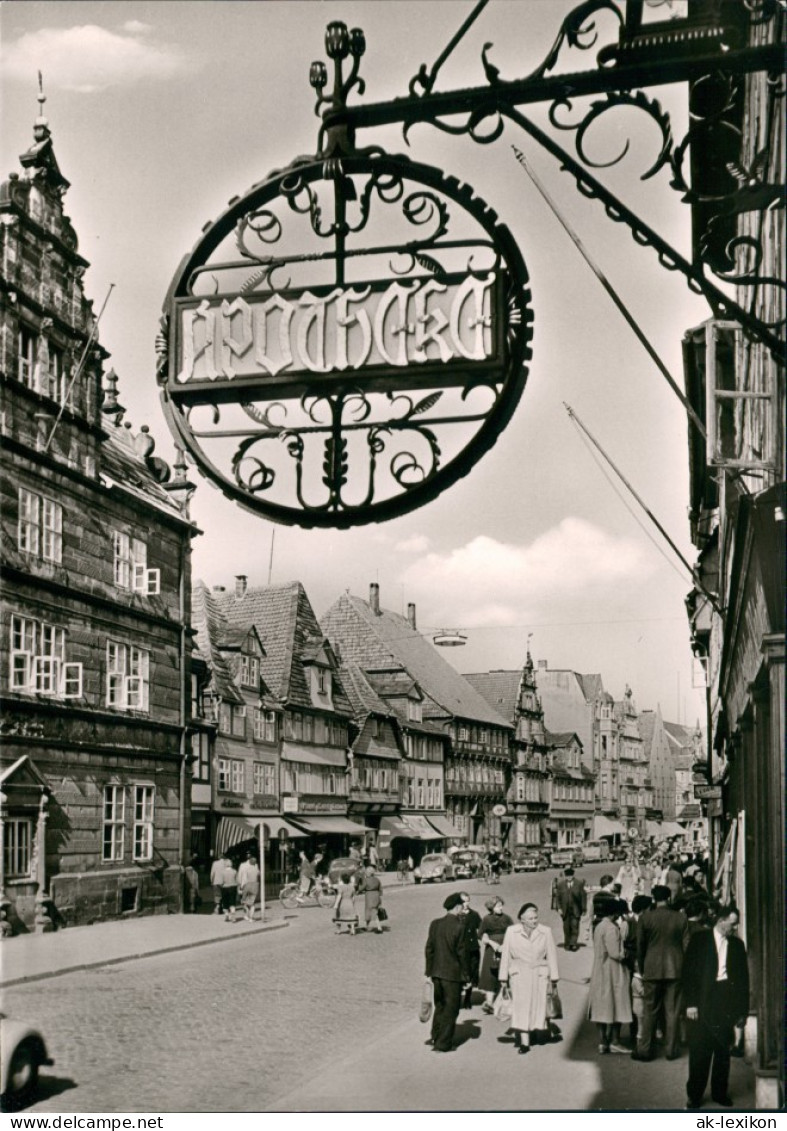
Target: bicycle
{"points": [[321, 895]]}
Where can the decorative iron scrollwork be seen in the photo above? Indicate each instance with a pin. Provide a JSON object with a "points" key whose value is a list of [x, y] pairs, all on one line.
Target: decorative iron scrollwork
{"points": [[362, 348]]}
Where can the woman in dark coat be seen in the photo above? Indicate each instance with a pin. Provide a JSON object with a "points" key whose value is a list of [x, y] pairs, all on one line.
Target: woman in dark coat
{"points": [[491, 934]]}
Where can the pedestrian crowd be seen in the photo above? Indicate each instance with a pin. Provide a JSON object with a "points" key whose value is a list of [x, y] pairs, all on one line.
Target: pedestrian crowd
{"points": [[666, 964], [236, 886]]}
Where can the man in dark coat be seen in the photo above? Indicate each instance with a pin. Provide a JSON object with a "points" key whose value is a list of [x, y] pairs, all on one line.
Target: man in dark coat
{"points": [[662, 935], [716, 996], [472, 921], [571, 901], [446, 965]]}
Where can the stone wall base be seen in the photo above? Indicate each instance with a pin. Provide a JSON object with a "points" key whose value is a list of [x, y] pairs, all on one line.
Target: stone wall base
{"points": [[90, 897]]}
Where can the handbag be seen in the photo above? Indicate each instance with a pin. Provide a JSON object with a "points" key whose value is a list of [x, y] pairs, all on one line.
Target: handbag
{"points": [[382, 914], [554, 1005], [427, 1001], [503, 1007]]}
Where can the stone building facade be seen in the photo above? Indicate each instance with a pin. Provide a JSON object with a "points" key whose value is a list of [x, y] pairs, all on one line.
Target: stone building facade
{"points": [[94, 655]]}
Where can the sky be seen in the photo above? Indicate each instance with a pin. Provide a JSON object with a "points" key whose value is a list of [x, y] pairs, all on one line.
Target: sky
{"points": [[162, 111]]}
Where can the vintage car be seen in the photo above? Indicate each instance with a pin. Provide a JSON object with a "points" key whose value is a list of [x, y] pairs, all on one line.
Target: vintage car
{"points": [[436, 867], [567, 858], [22, 1053], [528, 860], [349, 864], [467, 864]]}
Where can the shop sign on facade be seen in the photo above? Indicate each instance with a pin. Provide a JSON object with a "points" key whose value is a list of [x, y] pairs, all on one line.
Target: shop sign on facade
{"points": [[346, 340]]}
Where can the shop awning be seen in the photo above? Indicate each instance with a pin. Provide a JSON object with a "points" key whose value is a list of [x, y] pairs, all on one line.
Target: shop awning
{"points": [[314, 755], [672, 828], [654, 829], [235, 830], [445, 828], [330, 824], [421, 829], [603, 826], [411, 827]]}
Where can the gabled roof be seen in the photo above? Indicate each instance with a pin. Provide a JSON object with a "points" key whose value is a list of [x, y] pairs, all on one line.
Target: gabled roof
{"points": [[647, 727], [288, 628], [123, 468], [376, 640], [364, 700], [680, 735], [561, 739], [24, 772], [500, 689], [210, 627], [592, 686]]}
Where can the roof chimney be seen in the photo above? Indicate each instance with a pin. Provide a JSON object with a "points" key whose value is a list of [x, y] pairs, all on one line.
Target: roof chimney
{"points": [[411, 615], [241, 582], [219, 589], [374, 598]]}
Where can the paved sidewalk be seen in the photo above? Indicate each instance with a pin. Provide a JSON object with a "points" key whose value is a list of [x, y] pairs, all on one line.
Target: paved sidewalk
{"points": [[26, 958]]}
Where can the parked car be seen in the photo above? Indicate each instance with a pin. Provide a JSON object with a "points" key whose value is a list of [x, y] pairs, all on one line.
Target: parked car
{"points": [[567, 858], [342, 864], [435, 867], [526, 860], [467, 864], [22, 1053], [619, 852]]}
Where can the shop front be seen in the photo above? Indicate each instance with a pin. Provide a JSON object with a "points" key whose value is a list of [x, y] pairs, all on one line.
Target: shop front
{"points": [[237, 835], [407, 837]]}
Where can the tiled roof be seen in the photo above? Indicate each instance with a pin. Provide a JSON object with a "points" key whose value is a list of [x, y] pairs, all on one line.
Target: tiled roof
{"points": [[563, 738], [499, 688], [373, 640], [210, 625], [683, 736], [363, 697], [592, 686], [647, 726], [287, 626]]}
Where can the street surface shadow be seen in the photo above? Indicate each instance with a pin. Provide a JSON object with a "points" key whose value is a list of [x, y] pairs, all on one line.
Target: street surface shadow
{"points": [[48, 1087], [466, 1031]]}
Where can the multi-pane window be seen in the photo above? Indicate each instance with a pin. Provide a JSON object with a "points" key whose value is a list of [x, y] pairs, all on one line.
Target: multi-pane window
{"points": [[200, 748], [232, 778], [130, 565], [38, 660], [264, 725], [232, 718], [40, 528], [128, 677], [144, 796], [28, 349], [305, 778], [264, 778], [114, 822], [17, 847], [250, 671]]}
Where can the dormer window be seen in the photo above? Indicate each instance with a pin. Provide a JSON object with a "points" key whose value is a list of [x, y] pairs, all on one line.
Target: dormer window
{"points": [[415, 711], [250, 671], [322, 680]]}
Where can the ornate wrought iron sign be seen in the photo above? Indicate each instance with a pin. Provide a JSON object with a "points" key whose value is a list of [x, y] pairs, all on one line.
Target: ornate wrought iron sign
{"points": [[346, 340]]}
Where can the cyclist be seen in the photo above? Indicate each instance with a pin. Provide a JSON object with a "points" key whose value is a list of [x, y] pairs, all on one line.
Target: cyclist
{"points": [[307, 875]]}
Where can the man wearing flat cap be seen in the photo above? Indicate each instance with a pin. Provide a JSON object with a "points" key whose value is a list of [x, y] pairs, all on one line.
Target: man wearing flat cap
{"points": [[447, 966]]}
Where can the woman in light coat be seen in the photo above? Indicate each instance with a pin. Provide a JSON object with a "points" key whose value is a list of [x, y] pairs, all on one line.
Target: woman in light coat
{"points": [[528, 964], [610, 981]]}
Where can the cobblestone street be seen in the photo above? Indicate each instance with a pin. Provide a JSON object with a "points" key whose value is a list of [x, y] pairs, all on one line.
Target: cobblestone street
{"points": [[300, 1019]]}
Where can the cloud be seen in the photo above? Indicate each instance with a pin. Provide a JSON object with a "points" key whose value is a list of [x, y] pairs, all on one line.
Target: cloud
{"points": [[415, 544], [89, 58], [485, 582]]}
